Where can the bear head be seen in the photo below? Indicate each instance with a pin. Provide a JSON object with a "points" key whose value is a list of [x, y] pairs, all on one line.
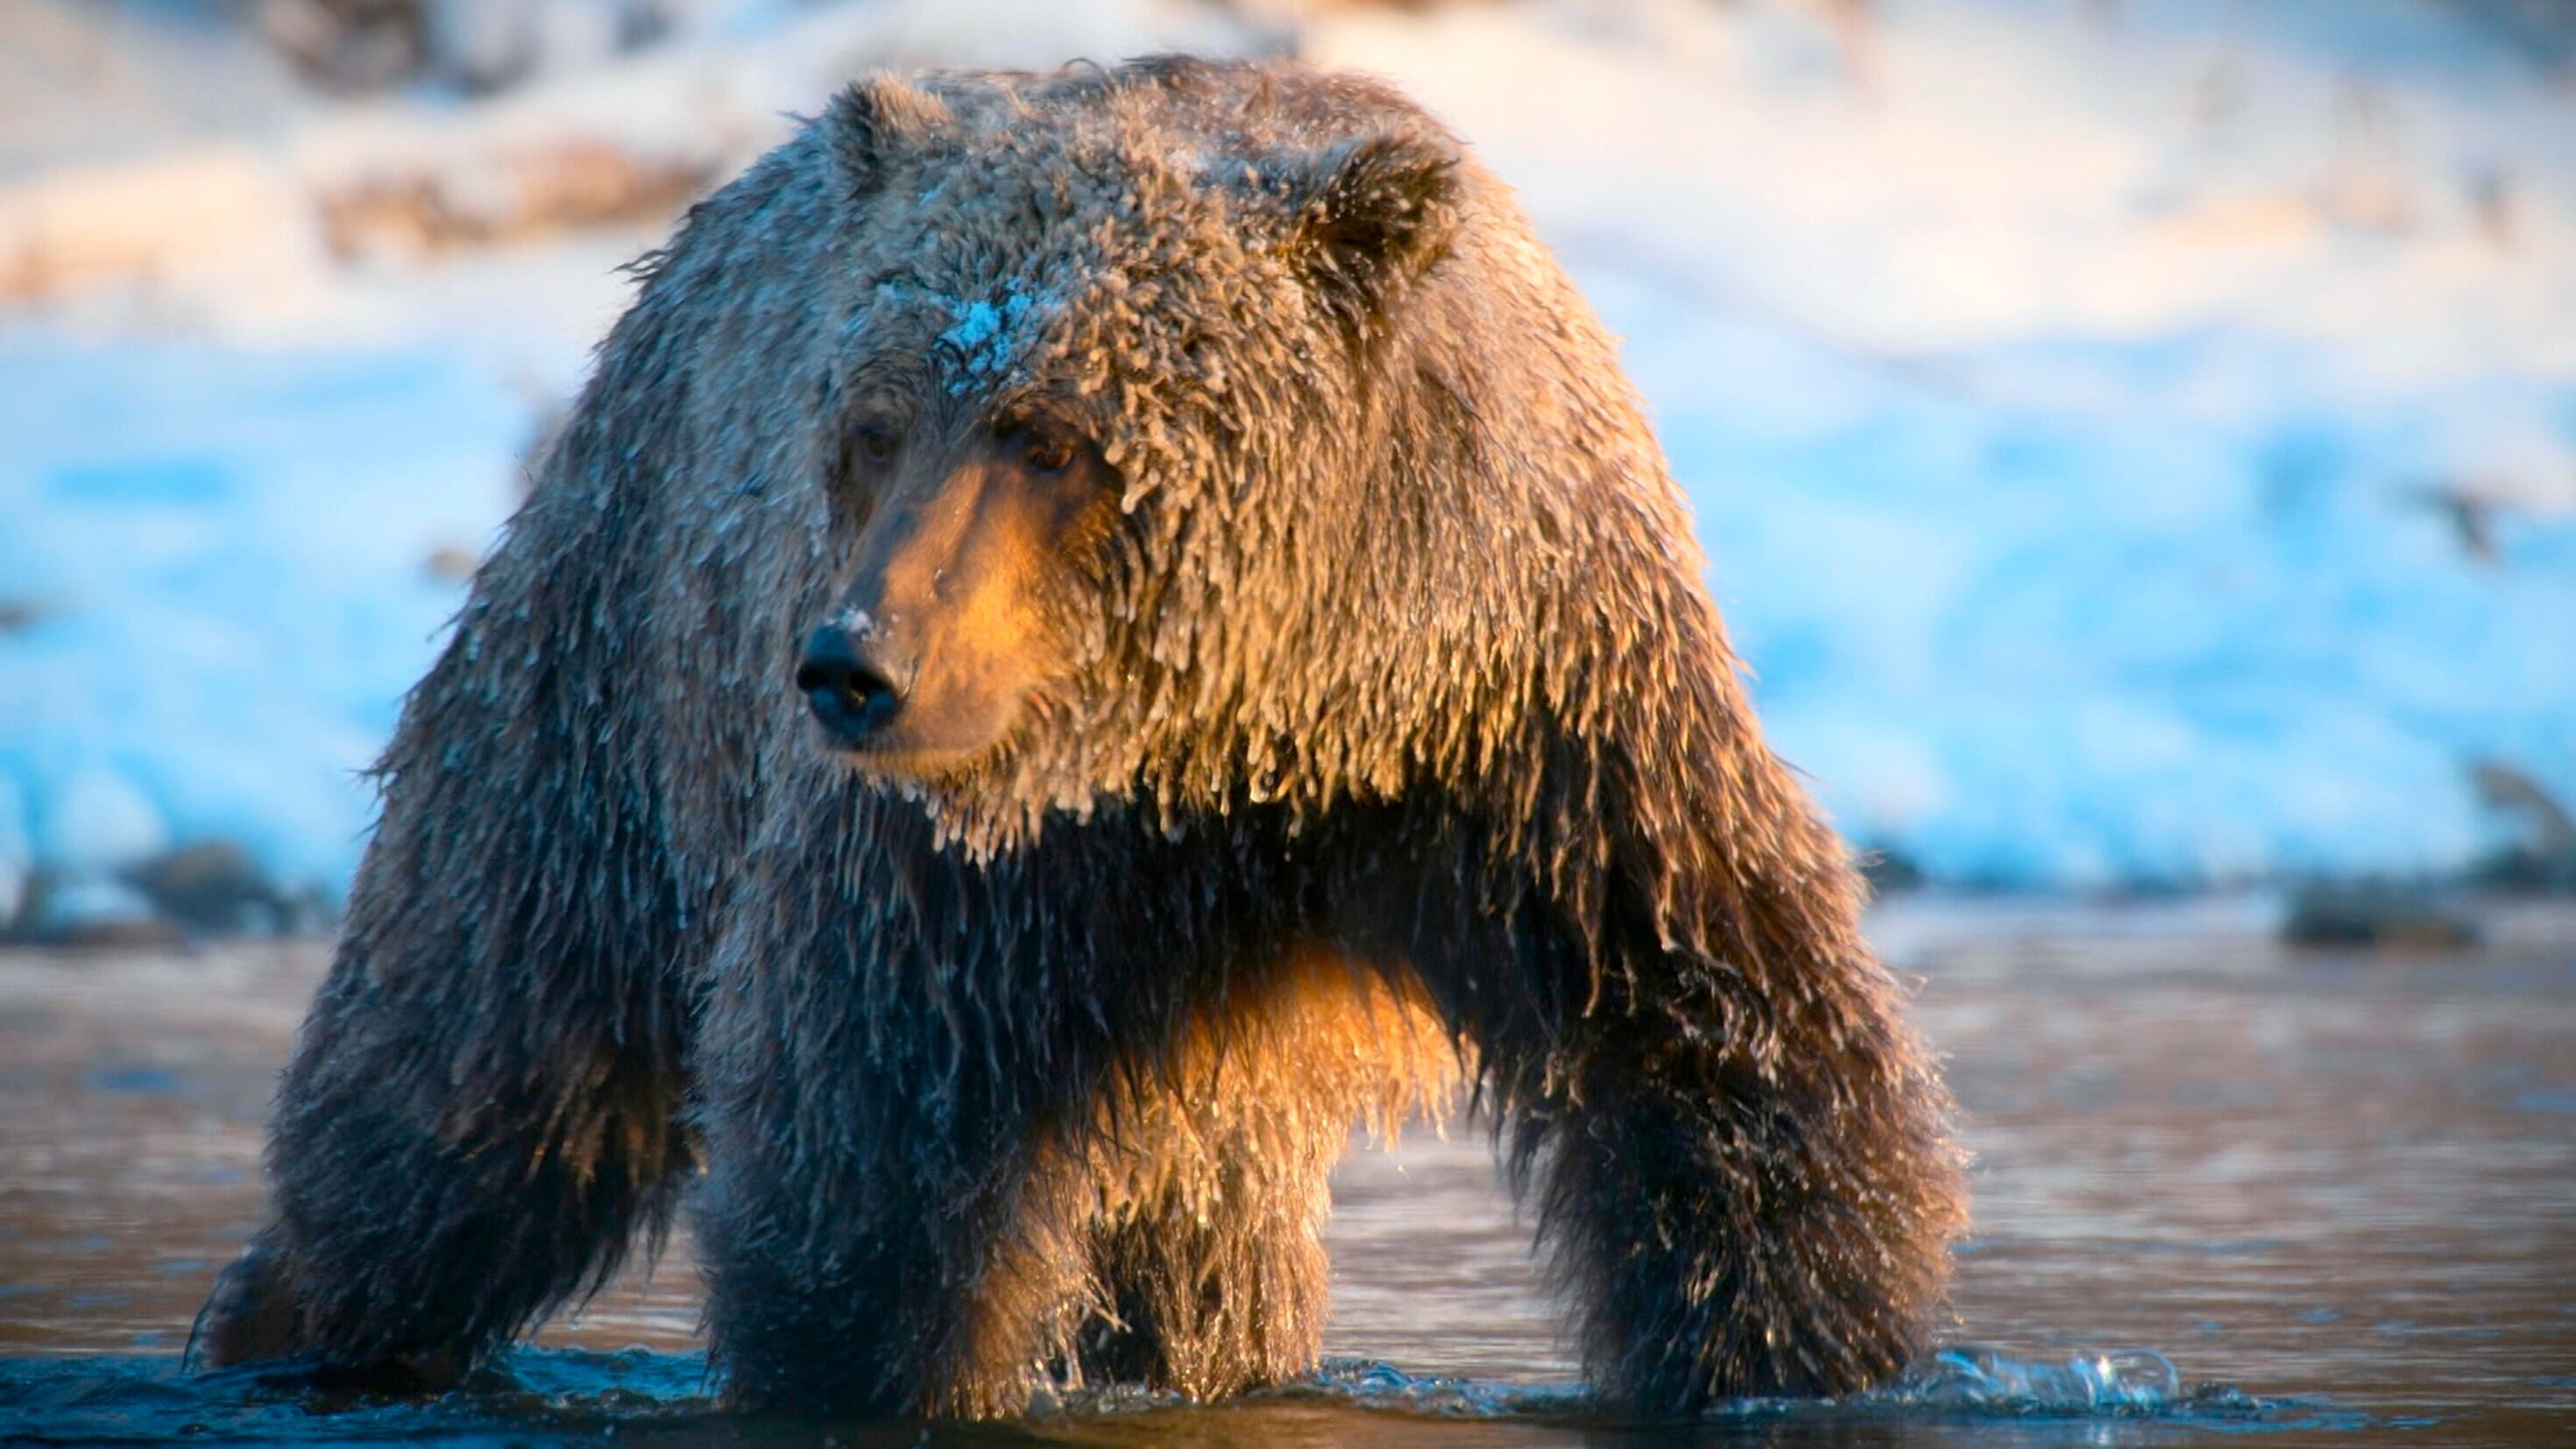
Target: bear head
{"points": [[1122, 391]]}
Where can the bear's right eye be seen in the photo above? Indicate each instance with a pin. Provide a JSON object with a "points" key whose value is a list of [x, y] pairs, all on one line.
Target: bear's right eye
{"points": [[875, 442]]}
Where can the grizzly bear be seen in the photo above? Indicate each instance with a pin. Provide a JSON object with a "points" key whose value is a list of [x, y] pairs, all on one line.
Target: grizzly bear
{"points": [[1089, 631]]}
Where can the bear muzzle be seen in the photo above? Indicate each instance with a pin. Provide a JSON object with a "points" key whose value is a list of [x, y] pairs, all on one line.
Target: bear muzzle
{"points": [[853, 697]]}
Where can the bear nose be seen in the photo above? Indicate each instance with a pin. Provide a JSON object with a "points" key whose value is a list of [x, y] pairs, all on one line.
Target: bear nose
{"points": [[852, 697]]}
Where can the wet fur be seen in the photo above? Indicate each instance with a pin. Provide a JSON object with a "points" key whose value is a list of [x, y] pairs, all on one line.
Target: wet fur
{"points": [[1396, 738]]}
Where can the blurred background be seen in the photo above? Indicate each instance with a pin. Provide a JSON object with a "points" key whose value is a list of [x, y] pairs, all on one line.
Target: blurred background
{"points": [[2135, 439]]}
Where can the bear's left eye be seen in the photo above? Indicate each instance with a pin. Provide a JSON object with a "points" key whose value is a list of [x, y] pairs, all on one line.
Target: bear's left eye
{"points": [[1048, 453]]}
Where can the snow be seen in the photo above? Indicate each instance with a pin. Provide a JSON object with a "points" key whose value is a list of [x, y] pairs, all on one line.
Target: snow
{"points": [[986, 337], [2074, 470], [227, 559], [2130, 451]]}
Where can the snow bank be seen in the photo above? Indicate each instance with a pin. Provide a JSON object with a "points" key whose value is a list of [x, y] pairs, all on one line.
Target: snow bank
{"points": [[2130, 452], [226, 561]]}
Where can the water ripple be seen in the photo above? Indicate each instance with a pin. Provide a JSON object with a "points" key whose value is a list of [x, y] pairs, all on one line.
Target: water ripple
{"points": [[558, 1395]]}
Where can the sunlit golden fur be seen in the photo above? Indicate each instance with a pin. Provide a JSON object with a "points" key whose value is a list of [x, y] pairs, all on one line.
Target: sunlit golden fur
{"points": [[972, 579], [1175, 1238], [1385, 730]]}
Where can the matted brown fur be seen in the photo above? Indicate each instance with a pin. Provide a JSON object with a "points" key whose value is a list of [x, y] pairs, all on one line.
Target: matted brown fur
{"points": [[1380, 722]]}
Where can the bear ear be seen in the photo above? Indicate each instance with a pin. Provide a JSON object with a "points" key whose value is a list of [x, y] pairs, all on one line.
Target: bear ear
{"points": [[1372, 214], [871, 119]]}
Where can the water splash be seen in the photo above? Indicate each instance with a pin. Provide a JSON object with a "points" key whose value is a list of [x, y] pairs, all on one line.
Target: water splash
{"points": [[2129, 1381], [1372, 1384], [1963, 1380]]}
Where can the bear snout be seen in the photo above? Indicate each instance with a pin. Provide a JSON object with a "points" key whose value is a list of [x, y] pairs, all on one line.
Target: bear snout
{"points": [[851, 696]]}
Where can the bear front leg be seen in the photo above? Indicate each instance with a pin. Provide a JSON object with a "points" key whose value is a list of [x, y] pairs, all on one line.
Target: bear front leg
{"points": [[861, 1262], [883, 1228], [419, 1221], [1741, 1221], [482, 1113]]}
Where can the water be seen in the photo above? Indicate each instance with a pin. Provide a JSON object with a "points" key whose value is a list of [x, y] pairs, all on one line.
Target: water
{"points": [[2221, 1187]]}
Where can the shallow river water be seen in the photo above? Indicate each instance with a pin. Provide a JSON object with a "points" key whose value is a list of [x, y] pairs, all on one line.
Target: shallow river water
{"points": [[2222, 1187]]}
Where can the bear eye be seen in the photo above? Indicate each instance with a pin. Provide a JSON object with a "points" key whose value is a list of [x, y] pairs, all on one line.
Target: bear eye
{"points": [[1048, 453], [875, 441]]}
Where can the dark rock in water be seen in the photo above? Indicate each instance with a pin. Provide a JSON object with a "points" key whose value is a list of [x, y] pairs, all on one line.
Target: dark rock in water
{"points": [[213, 887], [2376, 917], [1889, 872], [2544, 859], [64, 910]]}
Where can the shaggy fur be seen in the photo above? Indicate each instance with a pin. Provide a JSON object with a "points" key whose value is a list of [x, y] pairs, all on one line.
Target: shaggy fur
{"points": [[1388, 734]]}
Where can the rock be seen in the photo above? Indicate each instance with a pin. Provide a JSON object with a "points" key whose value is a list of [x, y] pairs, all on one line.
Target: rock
{"points": [[90, 910], [2376, 917], [2544, 859], [212, 887], [1890, 871]]}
